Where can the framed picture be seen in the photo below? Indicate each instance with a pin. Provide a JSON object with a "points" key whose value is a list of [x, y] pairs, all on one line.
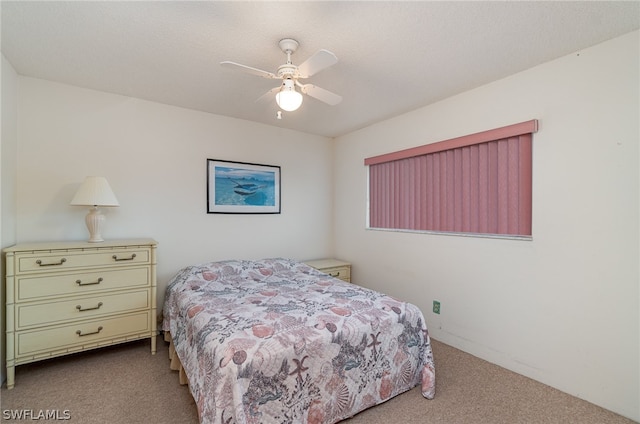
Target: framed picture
{"points": [[239, 187]]}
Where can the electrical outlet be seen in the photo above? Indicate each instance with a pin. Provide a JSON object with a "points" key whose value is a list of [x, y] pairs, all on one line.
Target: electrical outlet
{"points": [[436, 307]]}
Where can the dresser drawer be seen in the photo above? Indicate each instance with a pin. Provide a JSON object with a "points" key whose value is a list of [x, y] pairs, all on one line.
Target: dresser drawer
{"points": [[61, 284], [52, 313], [81, 333], [61, 260]]}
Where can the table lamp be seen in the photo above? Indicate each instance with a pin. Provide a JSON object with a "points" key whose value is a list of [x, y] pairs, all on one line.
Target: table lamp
{"points": [[94, 192]]}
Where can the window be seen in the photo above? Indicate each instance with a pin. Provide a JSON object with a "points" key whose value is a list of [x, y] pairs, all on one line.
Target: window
{"points": [[479, 183]]}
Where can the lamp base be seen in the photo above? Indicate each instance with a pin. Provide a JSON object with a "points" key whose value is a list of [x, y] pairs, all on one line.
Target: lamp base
{"points": [[94, 221]]}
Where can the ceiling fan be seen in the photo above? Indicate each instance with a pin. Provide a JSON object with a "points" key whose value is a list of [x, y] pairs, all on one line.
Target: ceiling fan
{"points": [[286, 95]]}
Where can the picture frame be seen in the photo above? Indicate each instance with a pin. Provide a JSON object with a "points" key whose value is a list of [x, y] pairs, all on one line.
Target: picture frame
{"points": [[242, 187]]}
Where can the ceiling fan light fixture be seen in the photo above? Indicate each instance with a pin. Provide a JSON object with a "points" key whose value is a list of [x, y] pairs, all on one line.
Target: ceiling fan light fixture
{"points": [[288, 98]]}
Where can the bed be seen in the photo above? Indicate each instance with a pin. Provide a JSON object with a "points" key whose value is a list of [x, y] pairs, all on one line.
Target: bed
{"points": [[276, 341]]}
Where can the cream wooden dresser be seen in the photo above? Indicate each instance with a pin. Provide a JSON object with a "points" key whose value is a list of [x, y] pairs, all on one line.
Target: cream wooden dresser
{"points": [[66, 297], [334, 267]]}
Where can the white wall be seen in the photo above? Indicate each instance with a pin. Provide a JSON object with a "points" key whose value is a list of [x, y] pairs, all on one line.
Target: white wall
{"points": [[563, 308], [8, 156], [154, 157]]}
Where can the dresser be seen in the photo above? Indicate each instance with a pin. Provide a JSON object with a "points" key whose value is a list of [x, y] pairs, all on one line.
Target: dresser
{"points": [[334, 267], [67, 297]]}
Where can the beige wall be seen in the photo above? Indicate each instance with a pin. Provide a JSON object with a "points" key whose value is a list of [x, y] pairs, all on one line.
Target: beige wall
{"points": [[154, 157], [8, 156], [563, 308]]}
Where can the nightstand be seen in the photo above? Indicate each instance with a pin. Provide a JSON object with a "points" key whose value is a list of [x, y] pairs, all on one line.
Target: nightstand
{"points": [[67, 297], [334, 267]]}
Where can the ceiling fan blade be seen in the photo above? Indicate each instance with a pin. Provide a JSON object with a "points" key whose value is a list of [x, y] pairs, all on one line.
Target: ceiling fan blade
{"points": [[321, 94], [248, 69], [320, 60], [268, 95]]}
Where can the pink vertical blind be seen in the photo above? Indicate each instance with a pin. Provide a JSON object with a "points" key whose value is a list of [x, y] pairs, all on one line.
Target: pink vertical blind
{"points": [[479, 183]]}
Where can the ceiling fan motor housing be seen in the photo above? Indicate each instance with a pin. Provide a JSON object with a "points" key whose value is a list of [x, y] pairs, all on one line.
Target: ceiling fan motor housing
{"points": [[288, 71]]}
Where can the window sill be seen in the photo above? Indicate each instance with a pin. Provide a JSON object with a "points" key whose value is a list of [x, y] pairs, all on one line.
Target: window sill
{"points": [[451, 233]]}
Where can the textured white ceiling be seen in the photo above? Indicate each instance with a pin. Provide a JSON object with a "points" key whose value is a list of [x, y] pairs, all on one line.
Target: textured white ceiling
{"points": [[393, 56]]}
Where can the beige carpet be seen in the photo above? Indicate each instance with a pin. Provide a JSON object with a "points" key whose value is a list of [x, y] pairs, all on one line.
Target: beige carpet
{"points": [[126, 384]]}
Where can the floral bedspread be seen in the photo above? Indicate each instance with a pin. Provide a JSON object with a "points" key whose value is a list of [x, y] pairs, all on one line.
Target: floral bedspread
{"points": [[276, 341]]}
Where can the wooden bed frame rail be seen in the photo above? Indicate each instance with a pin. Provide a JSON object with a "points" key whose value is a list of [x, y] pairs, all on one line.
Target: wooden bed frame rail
{"points": [[175, 364]]}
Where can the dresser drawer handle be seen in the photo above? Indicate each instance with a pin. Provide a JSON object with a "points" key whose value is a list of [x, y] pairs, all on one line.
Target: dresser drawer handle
{"points": [[63, 260], [79, 333], [80, 283], [337, 274], [115, 258], [79, 308]]}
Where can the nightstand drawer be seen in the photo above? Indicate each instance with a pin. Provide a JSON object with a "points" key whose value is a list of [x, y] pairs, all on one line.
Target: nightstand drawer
{"points": [[60, 260], [334, 267], [48, 286], [53, 313], [341, 272], [81, 333]]}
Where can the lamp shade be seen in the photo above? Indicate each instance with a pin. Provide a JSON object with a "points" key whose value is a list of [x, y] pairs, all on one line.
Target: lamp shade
{"points": [[288, 98], [95, 191]]}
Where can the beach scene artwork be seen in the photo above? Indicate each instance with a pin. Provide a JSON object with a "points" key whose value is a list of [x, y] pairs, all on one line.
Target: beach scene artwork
{"points": [[243, 188]]}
